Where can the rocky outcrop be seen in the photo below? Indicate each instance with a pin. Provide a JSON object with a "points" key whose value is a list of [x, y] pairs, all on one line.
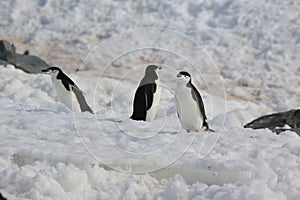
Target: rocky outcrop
{"points": [[277, 121], [1, 197], [27, 63]]}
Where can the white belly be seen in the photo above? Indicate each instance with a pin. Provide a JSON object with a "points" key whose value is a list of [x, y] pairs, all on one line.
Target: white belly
{"points": [[188, 109], [66, 97], [152, 111]]}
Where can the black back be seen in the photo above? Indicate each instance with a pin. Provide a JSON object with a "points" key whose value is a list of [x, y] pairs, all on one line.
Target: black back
{"points": [[197, 97], [66, 81], [144, 94]]}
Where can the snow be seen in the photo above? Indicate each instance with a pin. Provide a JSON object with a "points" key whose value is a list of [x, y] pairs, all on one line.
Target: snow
{"points": [[243, 57]]}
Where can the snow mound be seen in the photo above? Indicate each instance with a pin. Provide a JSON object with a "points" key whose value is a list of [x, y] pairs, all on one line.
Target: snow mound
{"points": [[47, 152]]}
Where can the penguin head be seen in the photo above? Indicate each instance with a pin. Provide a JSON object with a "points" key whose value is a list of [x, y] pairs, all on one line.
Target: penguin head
{"points": [[152, 68], [184, 77], [53, 71]]}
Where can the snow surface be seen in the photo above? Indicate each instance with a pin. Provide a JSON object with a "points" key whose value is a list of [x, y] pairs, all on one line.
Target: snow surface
{"points": [[243, 57]]}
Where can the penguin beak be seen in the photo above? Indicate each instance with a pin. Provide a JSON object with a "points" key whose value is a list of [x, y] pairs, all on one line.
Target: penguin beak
{"points": [[180, 77], [46, 71], [158, 69]]}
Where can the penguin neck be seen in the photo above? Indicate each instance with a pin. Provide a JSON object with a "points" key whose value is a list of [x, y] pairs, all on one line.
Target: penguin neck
{"points": [[150, 77], [151, 74], [55, 75], [189, 84]]}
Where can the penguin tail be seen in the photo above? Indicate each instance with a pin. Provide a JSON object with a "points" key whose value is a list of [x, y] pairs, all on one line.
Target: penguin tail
{"points": [[206, 127], [88, 110]]}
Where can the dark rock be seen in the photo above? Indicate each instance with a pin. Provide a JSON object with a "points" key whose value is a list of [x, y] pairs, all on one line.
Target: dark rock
{"points": [[3, 62], [7, 51], [30, 64], [26, 52], [276, 121], [27, 63], [2, 198]]}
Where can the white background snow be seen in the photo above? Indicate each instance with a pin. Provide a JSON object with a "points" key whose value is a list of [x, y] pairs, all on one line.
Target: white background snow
{"points": [[244, 59]]}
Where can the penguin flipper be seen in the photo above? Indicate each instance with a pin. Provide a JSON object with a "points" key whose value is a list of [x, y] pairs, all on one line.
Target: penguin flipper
{"points": [[75, 87], [150, 90], [81, 100]]}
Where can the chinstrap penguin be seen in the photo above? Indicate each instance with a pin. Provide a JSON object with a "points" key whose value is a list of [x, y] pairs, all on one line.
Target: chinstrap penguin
{"points": [[189, 104], [67, 91], [147, 95]]}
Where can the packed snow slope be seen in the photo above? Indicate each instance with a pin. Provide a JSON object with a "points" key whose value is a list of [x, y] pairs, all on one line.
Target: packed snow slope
{"points": [[48, 152], [243, 57]]}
